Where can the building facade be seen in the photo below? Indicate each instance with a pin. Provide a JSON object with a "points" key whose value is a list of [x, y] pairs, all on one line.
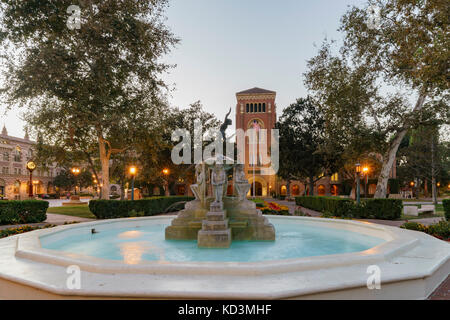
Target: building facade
{"points": [[14, 177], [256, 108]]}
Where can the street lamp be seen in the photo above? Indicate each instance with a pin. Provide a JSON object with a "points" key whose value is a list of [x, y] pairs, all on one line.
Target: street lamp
{"points": [[366, 182], [76, 171], [358, 173], [133, 171], [31, 166], [166, 172]]}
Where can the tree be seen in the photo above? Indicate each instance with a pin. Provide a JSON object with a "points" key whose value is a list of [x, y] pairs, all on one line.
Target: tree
{"points": [[423, 156], [155, 152], [84, 86], [301, 128], [409, 49], [64, 180]]}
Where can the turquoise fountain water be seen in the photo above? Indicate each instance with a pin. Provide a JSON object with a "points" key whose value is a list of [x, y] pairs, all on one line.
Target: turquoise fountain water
{"points": [[133, 245]]}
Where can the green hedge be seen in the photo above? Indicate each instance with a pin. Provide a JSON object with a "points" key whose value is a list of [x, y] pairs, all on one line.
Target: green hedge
{"points": [[111, 209], [446, 204], [27, 211], [385, 209], [336, 206]]}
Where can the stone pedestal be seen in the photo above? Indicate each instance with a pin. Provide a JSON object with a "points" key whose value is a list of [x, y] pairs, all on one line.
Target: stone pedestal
{"points": [[215, 232], [74, 201]]}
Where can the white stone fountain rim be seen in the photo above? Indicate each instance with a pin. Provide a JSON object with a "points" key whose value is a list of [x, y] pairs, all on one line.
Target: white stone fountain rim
{"points": [[29, 247], [413, 264]]}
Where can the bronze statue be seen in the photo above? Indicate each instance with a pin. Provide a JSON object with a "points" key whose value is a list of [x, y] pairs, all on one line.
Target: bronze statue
{"points": [[227, 122]]}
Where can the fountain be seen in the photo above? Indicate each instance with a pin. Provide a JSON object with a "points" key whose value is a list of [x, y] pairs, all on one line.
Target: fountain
{"points": [[214, 221]]}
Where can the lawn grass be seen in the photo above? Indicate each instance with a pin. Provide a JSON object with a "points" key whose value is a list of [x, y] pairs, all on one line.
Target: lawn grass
{"points": [[74, 211]]}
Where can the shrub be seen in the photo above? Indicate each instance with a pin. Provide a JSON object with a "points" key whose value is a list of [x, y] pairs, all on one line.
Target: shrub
{"points": [[335, 206], [439, 230], [446, 204], [414, 226], [111, 209], [388, 209], [13, 231], [27, 211]]}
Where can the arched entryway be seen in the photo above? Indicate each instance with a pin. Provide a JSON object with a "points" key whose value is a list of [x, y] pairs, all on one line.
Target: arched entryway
{"points": [[2, 188], [258, 188], [283, 190], [334, 190], [295, 190], [321, 190]]}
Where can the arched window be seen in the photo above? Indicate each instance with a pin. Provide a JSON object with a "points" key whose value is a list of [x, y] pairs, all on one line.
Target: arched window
{"points": [[259, 107], [264, 107], [18, 155], [248, 108], [283, 190], [251, 107], [17, 187]]}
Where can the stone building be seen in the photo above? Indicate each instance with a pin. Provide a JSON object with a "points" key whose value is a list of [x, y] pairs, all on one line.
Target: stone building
{"points": [[14, 177], [257, 107]]}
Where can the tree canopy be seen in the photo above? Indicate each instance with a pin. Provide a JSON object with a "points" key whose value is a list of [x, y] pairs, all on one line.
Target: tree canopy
{"points": [[87, 86]]}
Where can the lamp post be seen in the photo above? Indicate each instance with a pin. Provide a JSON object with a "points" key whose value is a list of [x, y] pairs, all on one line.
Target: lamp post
{"points": [[358, 173], [412, 184], [166, 173], [76, 171], [133, 171], [31, 166], [366, 180]]}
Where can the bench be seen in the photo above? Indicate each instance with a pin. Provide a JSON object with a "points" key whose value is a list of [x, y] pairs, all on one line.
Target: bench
{"points": [[427, 208], [411, 211]]}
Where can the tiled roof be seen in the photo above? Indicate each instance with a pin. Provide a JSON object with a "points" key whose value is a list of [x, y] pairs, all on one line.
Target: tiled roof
{"points": [[256, 91]]}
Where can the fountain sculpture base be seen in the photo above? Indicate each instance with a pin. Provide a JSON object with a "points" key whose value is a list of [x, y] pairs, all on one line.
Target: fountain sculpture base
{"points": [[235, 219]]}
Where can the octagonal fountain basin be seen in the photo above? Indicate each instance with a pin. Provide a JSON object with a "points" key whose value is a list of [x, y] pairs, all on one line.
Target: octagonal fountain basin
{"points": [[311, 258]]}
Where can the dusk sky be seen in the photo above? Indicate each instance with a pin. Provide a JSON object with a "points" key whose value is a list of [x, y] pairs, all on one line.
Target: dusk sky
{"points": [[232, 45]]}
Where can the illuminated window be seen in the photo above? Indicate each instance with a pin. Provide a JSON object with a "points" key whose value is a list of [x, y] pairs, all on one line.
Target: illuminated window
{"points": [[335, 177]]}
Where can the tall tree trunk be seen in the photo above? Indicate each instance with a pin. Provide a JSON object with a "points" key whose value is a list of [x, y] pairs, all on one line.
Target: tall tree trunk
{"points": [[433, 172], [389, 157], [311, 185], [104, 160]]}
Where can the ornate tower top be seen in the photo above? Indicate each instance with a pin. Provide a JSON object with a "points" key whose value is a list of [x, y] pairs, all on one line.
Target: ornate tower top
{"points": [[4, 131]]}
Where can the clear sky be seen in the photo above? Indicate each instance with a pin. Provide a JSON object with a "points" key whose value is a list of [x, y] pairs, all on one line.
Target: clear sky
{"points": [[232, 45]]}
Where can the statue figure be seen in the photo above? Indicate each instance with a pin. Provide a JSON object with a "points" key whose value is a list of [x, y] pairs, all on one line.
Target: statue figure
{"points": [[241, 184], [227, 122], [218, 180], [199, 188]]}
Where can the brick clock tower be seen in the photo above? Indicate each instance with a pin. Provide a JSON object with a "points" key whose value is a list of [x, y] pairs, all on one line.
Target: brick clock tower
{"points": [[257, 107]]}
